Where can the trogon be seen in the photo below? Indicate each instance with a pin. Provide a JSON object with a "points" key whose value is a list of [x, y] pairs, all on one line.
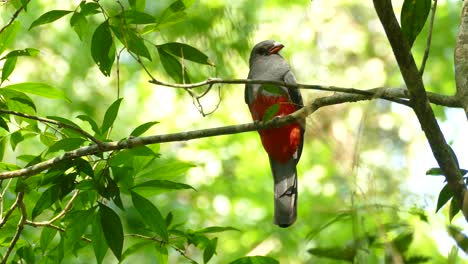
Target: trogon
{"points": [[283, 144]]}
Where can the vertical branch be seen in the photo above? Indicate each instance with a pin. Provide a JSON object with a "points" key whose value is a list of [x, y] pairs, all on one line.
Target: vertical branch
{"points": [[461, 59], [19, 229], [429, 38], [418, 96]]}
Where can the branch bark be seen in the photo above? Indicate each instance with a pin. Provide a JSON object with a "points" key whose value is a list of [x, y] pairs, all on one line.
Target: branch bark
{"points": [[461, 59], [401, 49]]}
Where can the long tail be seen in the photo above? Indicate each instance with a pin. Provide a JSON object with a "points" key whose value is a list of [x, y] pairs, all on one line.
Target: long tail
{"points": [[285, 176]]}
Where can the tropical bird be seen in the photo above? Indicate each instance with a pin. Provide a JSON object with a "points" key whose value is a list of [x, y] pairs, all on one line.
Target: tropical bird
{"points": [[283, 144]]}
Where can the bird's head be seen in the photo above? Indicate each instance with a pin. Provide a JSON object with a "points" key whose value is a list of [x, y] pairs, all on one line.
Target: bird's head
{"points": [[265, 48]]}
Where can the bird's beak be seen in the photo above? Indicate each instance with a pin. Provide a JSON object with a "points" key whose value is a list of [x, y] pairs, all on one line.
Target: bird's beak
{"points": [[276, 48]]}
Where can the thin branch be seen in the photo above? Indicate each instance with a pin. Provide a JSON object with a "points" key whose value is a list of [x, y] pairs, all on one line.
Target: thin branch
{"points": [[429, 38], [13, 18], [338, 98], [12, 208], [41, 224], [418, 96], [51, 121], [19, 229], [62, 213]]}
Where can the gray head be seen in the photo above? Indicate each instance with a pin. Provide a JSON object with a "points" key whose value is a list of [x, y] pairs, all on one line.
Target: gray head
{"points": [[265, 48]]}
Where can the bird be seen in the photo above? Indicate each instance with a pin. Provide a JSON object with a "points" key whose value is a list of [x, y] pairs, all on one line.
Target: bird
{"points": [[284, 144]]}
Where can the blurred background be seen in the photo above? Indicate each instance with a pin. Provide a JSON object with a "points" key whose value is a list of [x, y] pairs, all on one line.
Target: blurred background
{"points": [[362, 173]]}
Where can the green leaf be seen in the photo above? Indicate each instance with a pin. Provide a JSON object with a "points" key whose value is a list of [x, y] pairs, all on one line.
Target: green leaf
{"points": [[132, 42], [66, 144], [47, 235], [99, 241], [435, 171], [454, 209], [8, 67], [270, 112], [444, 196], [103, 48], [48, 197], [8, 35], [150, 215], [89, 8], [210, 250], [15, 138], [28, 52], [336, 253], [18, 101], [167, 170], [403, 241], [460, 238], [255, 260], [84, 166], [216, 229], [79, 221], [49, 17], [79, 24], [174, 13], [142, 128], [161, 254], [91, 122], [112, 229], [139, 18], [414, 14], [186, 52], [137, 4], [41, 89], [110, 116], [162, 185], [135, 248], [173, 67]]}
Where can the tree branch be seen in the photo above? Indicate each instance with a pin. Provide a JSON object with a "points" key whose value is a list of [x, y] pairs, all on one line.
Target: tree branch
{"points": [[12, 208], [13, 18], [401, 49], [51, 121], [19, 229], [461, 59], [49, 225]]}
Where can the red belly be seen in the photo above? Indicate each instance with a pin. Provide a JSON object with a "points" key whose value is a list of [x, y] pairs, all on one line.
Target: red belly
{"points": [[280, 143]]}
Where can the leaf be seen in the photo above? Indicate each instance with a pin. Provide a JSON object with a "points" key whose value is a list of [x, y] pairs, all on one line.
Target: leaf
{"points": [[137, 4], [270, 112], [161, 254], [66, 144], [79, 24], [444, 196], [49, 17], [3, 143], [216, 229], [103, 48], [8, 67], [186, 52], [210, 250], [403, 241], [414, 14], [112, 229], [91, 122], [163, 185], [135, 248], [110, 115], [142, 128], [435, 171], [41, 89], [454, 209], [8, 35], [336, 253], [255, 260], [89, 8], [84, 166], [135, 17], [173, 67], [29, 52], [174, 13], [47, 198], [150, 215], [460, 238], [47, 235], [99, 241], [18, 101], [132, 42], [15, 138], [166, 170], [79, 221]]}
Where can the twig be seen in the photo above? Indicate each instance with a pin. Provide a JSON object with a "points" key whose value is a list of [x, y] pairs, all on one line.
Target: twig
{"points": [[13, 18], [51, 121], [19, 229], [41, 224], [12, 208], [429, 38], [440, 149], [62, 213], [189, 135]]}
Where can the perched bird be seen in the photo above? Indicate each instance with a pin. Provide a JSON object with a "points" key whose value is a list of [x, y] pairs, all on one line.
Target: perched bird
{"points": [[284, 144]]}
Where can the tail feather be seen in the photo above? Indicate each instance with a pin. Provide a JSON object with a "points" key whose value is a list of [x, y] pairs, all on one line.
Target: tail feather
{"points": [[285, 176]]}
